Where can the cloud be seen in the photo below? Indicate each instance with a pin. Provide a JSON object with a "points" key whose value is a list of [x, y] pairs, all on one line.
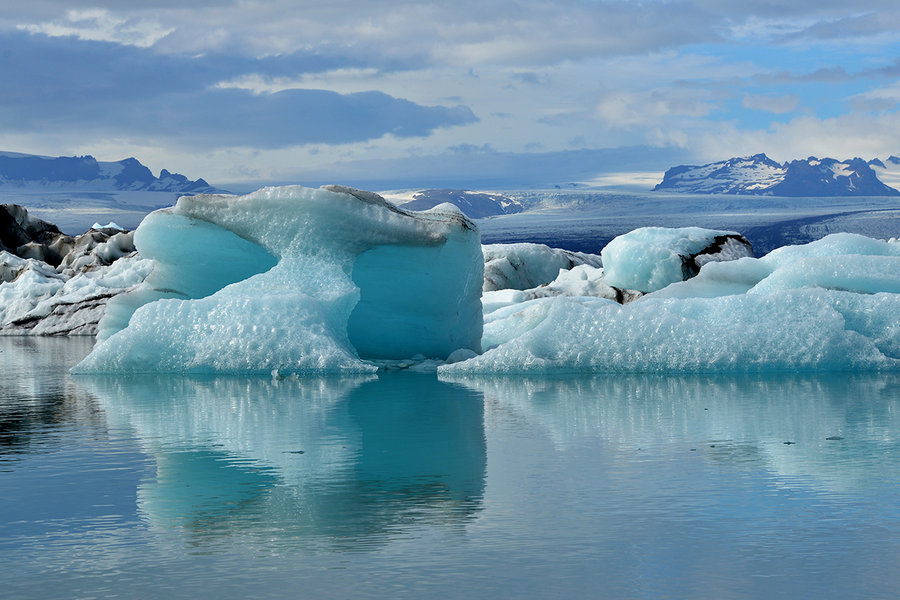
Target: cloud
{"points": [[884, 21], [63, 85], [842, 137], [293, 117], [463, 33], [485, 167], [101, 25], [467, 32], [823, 75], [774, 104], [877, 100], [628, 109], [358, 79]]}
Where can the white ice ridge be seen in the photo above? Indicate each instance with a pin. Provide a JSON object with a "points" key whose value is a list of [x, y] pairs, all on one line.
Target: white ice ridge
{"points": [[296, 280], [828, 305]]}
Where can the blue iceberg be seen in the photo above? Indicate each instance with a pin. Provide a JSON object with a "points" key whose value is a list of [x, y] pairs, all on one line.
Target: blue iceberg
{"points": [[828, 305], [294, 280]]}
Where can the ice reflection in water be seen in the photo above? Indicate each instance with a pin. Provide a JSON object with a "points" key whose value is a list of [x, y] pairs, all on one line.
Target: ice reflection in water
{"points": [[331, 459], [837, 432], [407, 486]]}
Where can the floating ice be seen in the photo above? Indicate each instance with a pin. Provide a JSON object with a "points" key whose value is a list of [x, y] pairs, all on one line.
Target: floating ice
{"points": [[828, 305], [650, 258], [523, 266], [841, 261], [39, 300], [296, 280], [110, 225], [583, 280]]}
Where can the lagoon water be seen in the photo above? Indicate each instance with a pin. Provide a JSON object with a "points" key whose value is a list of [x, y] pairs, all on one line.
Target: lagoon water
{"points": [[406, 486]]}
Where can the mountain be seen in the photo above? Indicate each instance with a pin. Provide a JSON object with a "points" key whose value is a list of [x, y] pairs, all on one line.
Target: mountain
{"points": [[761, 176], [30, 171], [474, 204]]}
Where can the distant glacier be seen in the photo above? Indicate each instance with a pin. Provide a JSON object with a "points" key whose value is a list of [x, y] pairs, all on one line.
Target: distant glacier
{"points": [[759, 175]]}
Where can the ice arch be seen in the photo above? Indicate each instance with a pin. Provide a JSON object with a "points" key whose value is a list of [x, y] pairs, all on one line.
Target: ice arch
{"points": [[298, 280]]}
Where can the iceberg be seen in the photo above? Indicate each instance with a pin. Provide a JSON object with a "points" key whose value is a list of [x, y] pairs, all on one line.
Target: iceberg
{"points": [[827, 305], [295, 280], [54, 284], [581, 280], [42, 301], [523, 266], [650, 258]]}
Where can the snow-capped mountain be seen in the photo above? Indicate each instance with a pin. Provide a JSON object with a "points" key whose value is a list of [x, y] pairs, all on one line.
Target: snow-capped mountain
{"points": [[760, 175], [474, 204], [30, 171]]}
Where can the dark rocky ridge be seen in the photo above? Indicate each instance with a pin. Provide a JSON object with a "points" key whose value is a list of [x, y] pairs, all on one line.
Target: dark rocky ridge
{"points": [[26, 170]]}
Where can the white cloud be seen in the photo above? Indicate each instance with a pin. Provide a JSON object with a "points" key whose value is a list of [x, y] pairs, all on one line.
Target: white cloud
{"points": [[102, 26], [339, 80], [537, 74], [864, 135], [877, 100], [778, 105], [627, 109]]}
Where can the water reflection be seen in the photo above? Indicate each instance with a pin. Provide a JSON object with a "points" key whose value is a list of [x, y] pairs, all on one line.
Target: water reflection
{"points": [[35, 401], [407, 486], [324, 460], [838, 432]]}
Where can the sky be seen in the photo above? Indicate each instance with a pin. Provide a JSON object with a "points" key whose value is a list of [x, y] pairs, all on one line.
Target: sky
{"points": [[498, 93]]}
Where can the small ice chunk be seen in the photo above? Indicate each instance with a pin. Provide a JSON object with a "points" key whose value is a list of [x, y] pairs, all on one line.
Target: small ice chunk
{"points": [[650, 258], [110, 225], [524, 266]]}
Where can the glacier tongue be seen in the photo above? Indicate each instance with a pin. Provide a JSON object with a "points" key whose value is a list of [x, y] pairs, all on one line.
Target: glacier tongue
{"points": [[324, 277]]}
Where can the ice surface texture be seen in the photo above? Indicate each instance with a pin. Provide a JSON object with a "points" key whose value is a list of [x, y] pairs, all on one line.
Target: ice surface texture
{"points": [[337, 280], [831, 304], [295, 280], [69, 296], [650, 258], [524, 266]]}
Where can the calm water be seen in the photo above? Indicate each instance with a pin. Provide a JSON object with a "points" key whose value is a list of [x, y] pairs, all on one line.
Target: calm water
{"points": [[406, 486]]}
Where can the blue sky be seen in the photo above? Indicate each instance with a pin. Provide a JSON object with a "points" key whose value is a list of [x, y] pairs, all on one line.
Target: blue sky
{"points": [[439, 93]]}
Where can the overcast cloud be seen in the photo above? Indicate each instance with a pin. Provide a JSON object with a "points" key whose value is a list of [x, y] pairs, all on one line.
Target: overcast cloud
{"points": [[275, 90]]}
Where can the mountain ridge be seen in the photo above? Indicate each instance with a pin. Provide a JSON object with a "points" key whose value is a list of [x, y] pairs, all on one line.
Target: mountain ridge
{"points": [[30, 171], [759, 175]]}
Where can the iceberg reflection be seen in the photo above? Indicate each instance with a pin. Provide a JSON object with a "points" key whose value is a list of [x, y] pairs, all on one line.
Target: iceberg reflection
{"points": [[323, 459], [838, 432]]}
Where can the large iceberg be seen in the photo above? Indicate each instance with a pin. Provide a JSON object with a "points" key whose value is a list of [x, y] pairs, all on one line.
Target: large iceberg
{"points": [[827, 305], [336, 280], [296, 280]]}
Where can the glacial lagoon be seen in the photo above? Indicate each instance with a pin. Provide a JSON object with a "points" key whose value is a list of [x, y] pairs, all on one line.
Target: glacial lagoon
{"points": [[407, 485]]}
